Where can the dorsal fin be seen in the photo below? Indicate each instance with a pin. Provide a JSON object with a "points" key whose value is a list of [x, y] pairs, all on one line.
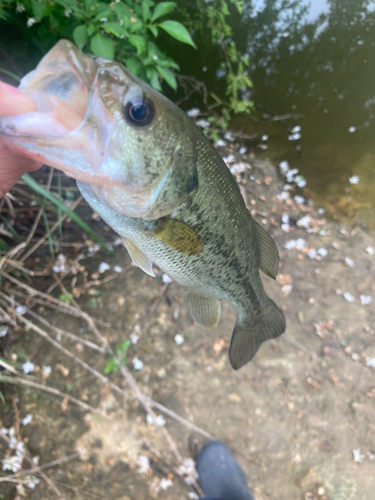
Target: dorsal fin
{"points": [[268, 252]]}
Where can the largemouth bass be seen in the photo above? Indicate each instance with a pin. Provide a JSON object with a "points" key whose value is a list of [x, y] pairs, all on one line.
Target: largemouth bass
{"points": [[152, 176]]}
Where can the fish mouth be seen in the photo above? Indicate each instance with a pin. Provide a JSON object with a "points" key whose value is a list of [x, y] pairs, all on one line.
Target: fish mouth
{"points": [[71, 115]]}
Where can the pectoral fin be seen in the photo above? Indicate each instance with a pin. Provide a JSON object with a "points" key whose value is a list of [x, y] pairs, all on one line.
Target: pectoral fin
{"points": [[138, 257], [268, 252], [178, 236], [249, 334], [204, 310]]}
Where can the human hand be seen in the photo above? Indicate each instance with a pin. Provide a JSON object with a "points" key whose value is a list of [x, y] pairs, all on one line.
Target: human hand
{"points": [[12, 165]]}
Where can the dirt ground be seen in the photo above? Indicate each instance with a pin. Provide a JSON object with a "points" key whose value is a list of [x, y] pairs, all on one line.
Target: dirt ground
{"points": [[300, 417]]}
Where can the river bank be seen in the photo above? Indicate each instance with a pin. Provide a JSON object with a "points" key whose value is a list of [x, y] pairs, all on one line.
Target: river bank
{"points": [[299, 418]]}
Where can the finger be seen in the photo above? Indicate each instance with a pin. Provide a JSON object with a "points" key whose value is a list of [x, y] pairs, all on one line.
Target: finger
{"points": [[12, 167], [14, 102]]}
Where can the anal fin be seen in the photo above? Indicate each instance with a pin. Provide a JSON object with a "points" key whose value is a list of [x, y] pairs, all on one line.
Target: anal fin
{"points": [[204, 310], [138, 257], [268, 252], [249, 334]]}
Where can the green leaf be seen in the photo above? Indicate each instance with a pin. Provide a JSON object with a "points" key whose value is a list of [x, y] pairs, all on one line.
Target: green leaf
{"points": [[153, 77], [134, 65], [115, 29], [40, 9], [146, 14], [91, 29], [136, 26], [168, 77], [153, 29], [162, 9], [37, 188], [138, 42], [102, 46], [178, 32], [88, 4], [80, 36]]}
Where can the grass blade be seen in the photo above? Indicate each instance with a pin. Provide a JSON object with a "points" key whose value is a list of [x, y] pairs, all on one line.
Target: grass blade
{"points": [[76, 218], [46, 225], [10, 229], [9, 73]]}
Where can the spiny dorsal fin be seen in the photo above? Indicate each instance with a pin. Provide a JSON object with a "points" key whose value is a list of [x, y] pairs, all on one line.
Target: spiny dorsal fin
{"points": [[268, 252], [138, 257], [204, 310], [178, 236]]}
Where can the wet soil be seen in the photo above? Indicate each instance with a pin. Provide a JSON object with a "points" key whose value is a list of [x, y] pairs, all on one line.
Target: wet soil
{"points": [[292, 416]]}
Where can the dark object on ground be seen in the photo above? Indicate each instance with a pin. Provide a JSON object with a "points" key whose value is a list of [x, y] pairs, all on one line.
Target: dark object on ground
{"points": [[220, 475]]}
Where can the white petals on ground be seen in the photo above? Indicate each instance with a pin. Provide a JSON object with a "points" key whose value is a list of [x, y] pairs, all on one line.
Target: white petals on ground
{"points": [[294, 137], [137, 363], [352, 129], [187, 471], [370, 250], [299, 199], [370, 362], [349, 297], [60, 264], [305, 222], [354, 179], [27, 419], [349, 262], [357, 456], [179, 339], [166, 279], [28, 367], [365, 300], [220, 144], [158, 421], [117, 269], [323, 252], [46, 371], [103, 267], [165, 483], [312, 254], [229, 159], [3, 331], [239, 168], [284, 167], [20, 310], [134, 338], [300, 181], [144, 464]]}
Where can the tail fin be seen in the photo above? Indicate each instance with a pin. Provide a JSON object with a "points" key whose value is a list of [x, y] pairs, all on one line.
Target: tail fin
{"points": [[248, 335]]}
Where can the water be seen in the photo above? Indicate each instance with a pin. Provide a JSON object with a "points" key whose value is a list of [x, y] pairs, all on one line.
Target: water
{"points": [[317, 63]]}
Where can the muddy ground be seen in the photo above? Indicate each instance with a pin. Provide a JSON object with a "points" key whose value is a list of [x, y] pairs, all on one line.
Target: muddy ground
{"points": [[300, 417]]}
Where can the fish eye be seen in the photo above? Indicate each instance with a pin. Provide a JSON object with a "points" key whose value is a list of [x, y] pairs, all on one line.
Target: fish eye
{"points": [[139, 111]]}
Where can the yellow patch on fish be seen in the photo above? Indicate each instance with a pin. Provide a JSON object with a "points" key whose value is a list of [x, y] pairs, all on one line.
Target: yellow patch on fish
{"points": [[178, 236]]}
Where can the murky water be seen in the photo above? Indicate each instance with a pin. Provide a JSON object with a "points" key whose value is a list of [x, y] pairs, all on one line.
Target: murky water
{"points": [[317, 63]]}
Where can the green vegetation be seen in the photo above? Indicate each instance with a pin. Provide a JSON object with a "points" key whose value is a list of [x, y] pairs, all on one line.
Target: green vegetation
{"points": [[125, 30], [121, 350]]}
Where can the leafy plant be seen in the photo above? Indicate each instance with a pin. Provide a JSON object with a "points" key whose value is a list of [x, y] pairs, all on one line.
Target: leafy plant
{"points": [[125, 30], [216, 16], [121, 350]]}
